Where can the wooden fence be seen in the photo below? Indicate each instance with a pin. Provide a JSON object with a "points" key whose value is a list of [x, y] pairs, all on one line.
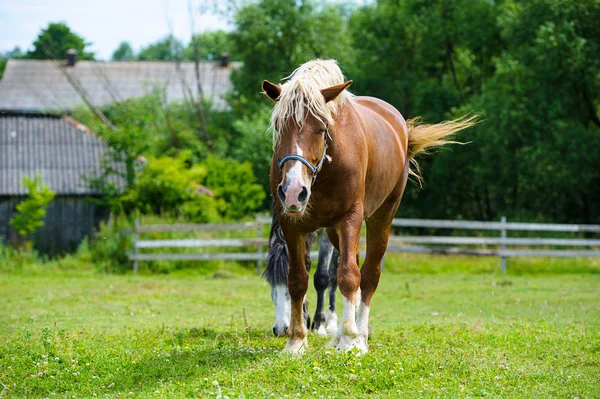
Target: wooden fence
{"points": [[503, 246]]}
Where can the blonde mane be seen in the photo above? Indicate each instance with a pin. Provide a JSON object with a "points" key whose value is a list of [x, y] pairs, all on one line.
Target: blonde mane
{"points": [[302, 93]]}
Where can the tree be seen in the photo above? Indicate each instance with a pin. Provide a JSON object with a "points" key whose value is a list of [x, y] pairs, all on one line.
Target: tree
{"points": [[53, 42], [168, 48], [208, 46], [273, 37], [123, 53], [32, 210]]}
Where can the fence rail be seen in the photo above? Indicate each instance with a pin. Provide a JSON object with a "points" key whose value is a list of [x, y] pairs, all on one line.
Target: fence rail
{"points": [[588, 247]]}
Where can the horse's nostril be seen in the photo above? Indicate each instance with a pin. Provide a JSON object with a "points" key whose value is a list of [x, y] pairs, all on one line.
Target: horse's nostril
{"points": [[274, 331], [285, 329], [281, 193], [303, 194]]}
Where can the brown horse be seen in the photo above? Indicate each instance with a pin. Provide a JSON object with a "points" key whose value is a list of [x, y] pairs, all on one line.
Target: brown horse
{"points": [[340, 159]]}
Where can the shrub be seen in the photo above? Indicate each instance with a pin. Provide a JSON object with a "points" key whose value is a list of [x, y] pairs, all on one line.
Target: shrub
{"points": [[31, 211], [234, 183], [110, 246]]}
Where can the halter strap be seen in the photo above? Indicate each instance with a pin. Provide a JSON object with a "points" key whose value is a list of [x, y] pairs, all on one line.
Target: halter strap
{"points": [[313, 169]]}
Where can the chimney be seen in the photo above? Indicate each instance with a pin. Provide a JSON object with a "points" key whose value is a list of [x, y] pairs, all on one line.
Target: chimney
{"points": [[71, 57], [224, 62]]}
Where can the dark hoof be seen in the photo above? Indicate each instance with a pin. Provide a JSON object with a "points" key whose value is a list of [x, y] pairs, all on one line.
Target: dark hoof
{"points": [[284, 331], [318, 321]]}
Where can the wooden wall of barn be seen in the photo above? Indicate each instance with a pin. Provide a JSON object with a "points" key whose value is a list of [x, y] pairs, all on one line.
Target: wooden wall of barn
{"points": [[68, 220]]}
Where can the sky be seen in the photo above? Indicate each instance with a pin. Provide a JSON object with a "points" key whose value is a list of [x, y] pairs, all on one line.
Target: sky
{"points": [[105, 23]]}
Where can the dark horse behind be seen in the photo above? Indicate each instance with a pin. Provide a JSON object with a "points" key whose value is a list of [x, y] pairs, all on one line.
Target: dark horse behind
{"points": [[276, 273]]}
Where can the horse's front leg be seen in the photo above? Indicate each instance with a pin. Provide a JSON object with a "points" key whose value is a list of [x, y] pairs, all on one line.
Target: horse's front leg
{"points": [[348, 234], [297, 287]]}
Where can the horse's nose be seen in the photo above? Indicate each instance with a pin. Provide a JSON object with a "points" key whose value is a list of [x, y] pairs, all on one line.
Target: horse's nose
{"points": [[293, 197], [281, 194], [303, 194]]}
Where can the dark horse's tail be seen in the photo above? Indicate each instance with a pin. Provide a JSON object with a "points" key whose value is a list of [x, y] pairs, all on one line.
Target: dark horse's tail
{"points": [[422, 137], [277, 268]]}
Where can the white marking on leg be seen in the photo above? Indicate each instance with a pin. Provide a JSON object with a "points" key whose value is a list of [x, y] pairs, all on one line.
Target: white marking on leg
{"points": [[322, 330], [332, 320], [283, 306], [348, 332], [363, 327]]}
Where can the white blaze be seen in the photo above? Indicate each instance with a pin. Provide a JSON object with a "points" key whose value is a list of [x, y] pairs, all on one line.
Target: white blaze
{"points": [[294, 175]]}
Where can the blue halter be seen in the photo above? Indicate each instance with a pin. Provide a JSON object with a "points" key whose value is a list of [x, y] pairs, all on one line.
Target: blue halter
{"points": [[313, 169]]}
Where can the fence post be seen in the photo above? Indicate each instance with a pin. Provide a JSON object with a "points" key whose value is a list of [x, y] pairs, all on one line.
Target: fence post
{"points": [[258, 246], [503, 246], [136, 235]]}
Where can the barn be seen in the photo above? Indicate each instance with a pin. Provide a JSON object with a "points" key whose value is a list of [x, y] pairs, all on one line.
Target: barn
{"points": [[65, 153]]}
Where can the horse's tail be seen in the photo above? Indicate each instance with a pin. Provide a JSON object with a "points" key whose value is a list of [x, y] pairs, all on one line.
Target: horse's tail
{"points": [[277, 268], [422, 137]]}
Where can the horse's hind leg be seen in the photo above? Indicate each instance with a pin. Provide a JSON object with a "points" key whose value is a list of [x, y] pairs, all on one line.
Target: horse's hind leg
{"points": [[347, 237], [321, 281], [378, 231]]}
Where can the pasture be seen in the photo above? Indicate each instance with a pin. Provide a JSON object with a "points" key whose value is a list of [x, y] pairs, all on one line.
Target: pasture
{"points": [[442, 327]]}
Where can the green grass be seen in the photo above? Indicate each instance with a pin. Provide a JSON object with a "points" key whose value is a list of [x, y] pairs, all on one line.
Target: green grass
{"points": [[460, 330]]}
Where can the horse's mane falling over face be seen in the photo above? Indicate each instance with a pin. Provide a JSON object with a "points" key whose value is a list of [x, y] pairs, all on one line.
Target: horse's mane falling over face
{"points": [[301, 94]]}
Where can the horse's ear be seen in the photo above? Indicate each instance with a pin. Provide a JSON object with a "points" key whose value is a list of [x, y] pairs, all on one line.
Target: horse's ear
{"points": [[332, 92], [271, 90]]}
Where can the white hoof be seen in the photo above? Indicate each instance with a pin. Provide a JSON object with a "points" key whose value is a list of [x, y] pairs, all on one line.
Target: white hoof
{"points": [[296, 347], [321, 330], [358, 343], [331, 322], [333, 342]]}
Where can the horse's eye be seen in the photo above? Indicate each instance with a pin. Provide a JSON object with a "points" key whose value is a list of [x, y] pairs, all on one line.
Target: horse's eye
{"points": [[321, 131]]}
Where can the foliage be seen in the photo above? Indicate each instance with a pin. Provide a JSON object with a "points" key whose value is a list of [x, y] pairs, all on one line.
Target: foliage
{"points": [[30, 212], [168, 48], [235, 184], [451, 335], [208, 46], [3, 62], [110, 245], [274, 37], [528, 66], [254, 144], [124, 52], [171, 185], [54, 41]]}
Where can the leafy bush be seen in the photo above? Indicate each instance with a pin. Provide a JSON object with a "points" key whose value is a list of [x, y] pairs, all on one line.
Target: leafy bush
{"points": [[110, 246], [255, 144], [233, 183], [32, 210], [171, 185]]}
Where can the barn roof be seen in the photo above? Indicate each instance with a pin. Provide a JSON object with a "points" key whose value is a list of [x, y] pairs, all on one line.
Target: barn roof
{"points": [[60, 149], [33, 85]]}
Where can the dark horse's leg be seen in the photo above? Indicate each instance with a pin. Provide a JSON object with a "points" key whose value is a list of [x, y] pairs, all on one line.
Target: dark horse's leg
{"points": [[332, 326], [276, 273], [322, 281]]}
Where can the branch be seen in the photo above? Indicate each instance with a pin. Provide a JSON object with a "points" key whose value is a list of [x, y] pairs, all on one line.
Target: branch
{"points": [[78, 87]]}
